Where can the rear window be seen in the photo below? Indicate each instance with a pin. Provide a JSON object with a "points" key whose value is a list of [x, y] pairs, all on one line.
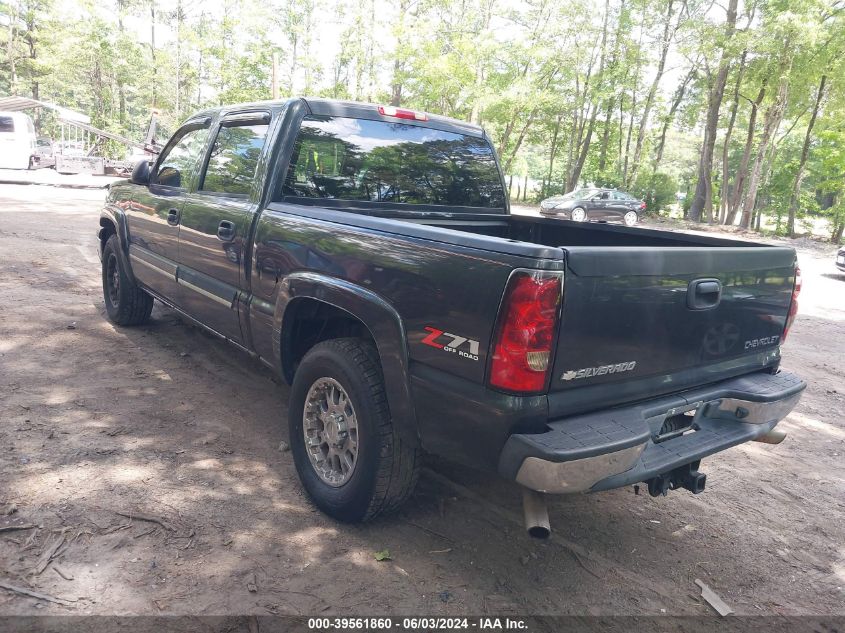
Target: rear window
{"points": [[6, 124], [379, 161]]}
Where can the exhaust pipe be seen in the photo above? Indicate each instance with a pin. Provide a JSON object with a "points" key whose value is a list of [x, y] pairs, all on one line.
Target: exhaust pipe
{"points": [[772, 437], [536, 514]]}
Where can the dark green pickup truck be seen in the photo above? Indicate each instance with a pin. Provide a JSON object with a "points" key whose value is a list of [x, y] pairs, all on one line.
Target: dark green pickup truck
{"points": [[368, 255]]}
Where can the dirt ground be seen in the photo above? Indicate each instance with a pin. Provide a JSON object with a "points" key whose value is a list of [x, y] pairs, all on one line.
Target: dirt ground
{"points": [[163, 422]]}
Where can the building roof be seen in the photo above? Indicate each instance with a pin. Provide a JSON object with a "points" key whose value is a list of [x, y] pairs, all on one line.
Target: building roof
{"points": [[16, 104]]}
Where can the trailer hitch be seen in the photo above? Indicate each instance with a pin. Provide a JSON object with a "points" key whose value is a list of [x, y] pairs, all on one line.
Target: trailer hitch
{"points": [[686, 476]]}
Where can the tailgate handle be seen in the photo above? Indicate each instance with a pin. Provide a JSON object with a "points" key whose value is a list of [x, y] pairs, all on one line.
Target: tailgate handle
{"points": [[704, 294]]}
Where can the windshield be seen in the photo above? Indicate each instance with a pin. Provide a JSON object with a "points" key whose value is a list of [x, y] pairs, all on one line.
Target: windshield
{"points": [[380, 161]]}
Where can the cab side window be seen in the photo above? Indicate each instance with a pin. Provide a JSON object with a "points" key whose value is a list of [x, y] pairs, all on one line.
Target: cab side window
{"points": [[178, 163], [234, 157]]}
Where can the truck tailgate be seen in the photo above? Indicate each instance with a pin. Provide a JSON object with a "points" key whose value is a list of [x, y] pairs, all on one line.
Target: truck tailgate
{"points": [[644, 320]]}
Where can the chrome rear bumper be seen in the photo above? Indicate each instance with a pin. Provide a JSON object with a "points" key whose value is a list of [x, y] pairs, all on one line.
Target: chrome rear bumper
{"points": [[622, 446]]}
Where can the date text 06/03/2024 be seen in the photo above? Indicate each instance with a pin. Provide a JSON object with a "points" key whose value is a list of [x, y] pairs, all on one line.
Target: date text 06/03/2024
{"points": [[417, 624]]}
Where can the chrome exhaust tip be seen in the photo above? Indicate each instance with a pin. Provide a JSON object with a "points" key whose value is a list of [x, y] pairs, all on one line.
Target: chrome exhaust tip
{"points": [[536, 514], [772, 437]]}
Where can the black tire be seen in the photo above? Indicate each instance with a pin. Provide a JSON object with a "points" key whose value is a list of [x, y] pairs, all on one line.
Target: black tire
{"points": [[387, 465], [126, 303]]}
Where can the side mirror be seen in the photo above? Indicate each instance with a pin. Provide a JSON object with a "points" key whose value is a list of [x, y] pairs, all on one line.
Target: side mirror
{"points": [[141, 173]]}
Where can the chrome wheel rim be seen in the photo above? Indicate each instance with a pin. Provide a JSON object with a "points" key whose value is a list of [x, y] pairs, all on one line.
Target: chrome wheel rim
{"points": [[330, 428], [113, 280], [630, 218], [578, 215]]}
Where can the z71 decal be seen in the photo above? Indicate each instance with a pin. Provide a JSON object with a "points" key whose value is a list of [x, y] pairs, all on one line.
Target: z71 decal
{"points": [[452, 343]]}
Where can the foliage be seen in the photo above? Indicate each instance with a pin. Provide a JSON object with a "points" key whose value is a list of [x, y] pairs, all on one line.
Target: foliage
{"points": [[615, 93], [657, 190]]}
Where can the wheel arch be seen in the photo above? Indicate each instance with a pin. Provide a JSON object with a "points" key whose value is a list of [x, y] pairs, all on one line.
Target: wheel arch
{"points": [[312, 307], [113, 222]]}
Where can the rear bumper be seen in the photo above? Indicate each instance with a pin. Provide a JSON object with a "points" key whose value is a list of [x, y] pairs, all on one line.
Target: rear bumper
{"points": [[614, 448]]}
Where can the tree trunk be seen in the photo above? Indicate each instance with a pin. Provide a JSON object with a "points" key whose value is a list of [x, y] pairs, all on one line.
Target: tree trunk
{"points": [[723, 198], [572, 181], [605, 135], [680, 91], [10, 50], [179, 19], [742, 172], [553, 151], [702, 202], [121, 90], [652, 92], [520, 138], [33, 55], [583, 146], [805, 153], [773, 118], [153, 51]]}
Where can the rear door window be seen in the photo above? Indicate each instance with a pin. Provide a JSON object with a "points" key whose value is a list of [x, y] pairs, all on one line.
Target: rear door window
{"points": [[379, 161], [7, 124], [234, 157]]}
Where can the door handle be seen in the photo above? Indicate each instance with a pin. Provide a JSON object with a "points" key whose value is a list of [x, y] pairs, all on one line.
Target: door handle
{"points": [[173, 217], [704, 294], [226, 230]]}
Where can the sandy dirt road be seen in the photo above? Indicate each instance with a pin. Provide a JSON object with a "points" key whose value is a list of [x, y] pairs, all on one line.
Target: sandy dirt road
{"points": [[167, 423]]}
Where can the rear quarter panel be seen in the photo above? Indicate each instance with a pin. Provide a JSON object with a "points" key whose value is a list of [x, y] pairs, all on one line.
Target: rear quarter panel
{"points": [[445, 287]]}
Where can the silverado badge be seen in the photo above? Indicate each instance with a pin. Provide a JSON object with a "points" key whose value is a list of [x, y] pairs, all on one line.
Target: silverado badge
{"points": [[601, 370]]}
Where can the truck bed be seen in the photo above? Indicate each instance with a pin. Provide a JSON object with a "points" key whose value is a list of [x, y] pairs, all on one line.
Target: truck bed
{"points": [[626, 303]]}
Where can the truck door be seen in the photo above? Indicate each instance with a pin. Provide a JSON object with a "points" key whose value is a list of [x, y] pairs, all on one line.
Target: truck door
{"points": [[155, 211], [215, 224]]}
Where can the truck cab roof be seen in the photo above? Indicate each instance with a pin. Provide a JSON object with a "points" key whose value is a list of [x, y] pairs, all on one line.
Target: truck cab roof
{"points": [[351, 109]]}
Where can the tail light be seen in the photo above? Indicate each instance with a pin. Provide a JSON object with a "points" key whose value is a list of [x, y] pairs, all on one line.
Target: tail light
{"points": [[642, 206], [401, 113], [793, 305], [525, 332]]}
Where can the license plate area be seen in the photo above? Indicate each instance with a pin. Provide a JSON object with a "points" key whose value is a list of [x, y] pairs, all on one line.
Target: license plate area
{"points": [[678, 421]]}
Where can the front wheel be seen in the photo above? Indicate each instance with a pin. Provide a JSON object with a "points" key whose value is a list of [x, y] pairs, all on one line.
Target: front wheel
{"points": [[349, 454], [126, 303], [630, 218], [578, 215]]}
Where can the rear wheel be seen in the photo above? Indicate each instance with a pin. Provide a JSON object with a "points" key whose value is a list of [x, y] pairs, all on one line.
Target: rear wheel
{"points": [[349, 455], [578, 215], [126, 303], [630, 218]]}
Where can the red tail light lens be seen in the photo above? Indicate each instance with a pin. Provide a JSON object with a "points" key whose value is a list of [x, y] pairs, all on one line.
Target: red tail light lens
{"points": [[793, 306], [401, 113], [525, 332]]}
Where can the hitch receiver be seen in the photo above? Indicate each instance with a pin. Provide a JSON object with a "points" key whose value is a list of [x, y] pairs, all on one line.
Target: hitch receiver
{"points": [[686, 477]]}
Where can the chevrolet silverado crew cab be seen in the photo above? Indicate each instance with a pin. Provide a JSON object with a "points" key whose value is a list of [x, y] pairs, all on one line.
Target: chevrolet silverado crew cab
{"points": [[367, 254]]}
